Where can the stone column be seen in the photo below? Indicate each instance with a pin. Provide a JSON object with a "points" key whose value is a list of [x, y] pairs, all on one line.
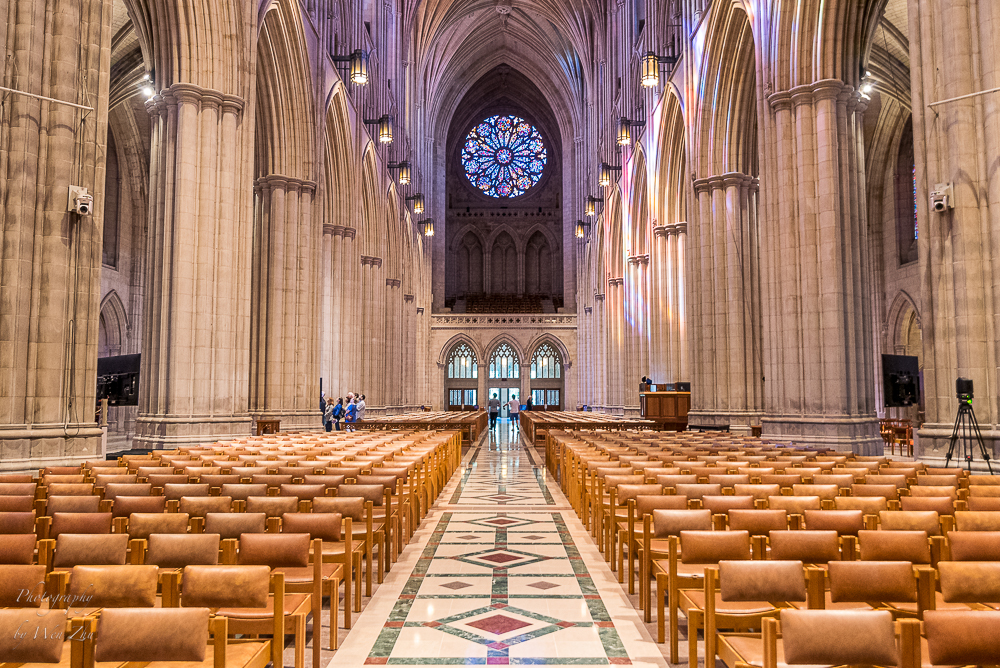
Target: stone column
{"points": [[659, 306], [411, 357], [326, 310], [50, 259], [195, 360], [617, 360], [392, 370], [954, 54], [587, 336], [284, 361], [601, 352], [726, 388], [817, 309], [680, 362]]}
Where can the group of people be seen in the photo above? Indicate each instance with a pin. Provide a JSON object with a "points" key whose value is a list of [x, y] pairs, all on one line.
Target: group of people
{"points": [[513, 408], [351, 412]]}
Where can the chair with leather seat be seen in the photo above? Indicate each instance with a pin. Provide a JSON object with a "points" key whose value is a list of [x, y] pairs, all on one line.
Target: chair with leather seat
{"points": [[197, 507], [78, 523], [251, 599], [972, 584], [136, 636], [20, 645], [645, 504], [240, 492], [974, 546], [943, 505], [373, 497], [72, 504], [739, 595], [824, 638], [75, 549], [690, 553], [914, 546], [23, 503], [760, 493], [171, 553], [759, 524], [142, 525], [960, 638], [87, 590], [288, 554], [657, 529], [123, 506], [928, 521], [336, 535], [722, 505], [795, 506], [18, 548], [977, 520], [174, 492], [816, 548]]}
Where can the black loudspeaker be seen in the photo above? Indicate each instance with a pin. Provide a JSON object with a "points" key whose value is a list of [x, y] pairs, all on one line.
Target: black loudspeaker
{"points": [[682, 387], [118, 380], [900, 380], [963, 388]]}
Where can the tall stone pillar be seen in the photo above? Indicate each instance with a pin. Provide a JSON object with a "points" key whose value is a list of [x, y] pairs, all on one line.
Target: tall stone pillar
{"points": [[196, 354], [601, 352], [394, 342], [617, 359], [816, 295], [659, 321], [284, 353], [726, 388], [957, 141], [50, 259], [680, 352], [326, 311]]}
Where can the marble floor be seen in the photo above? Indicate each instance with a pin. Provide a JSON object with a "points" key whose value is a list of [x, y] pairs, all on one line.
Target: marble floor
{"points": [[500, 573]]}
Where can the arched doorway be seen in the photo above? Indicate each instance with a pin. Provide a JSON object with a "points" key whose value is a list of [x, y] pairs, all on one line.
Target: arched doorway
{"points": [[546, 378], [461, 378], [505, 376]]}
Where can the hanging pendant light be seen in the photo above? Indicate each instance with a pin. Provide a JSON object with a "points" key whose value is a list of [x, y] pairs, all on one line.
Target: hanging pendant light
{"points": [[359, 67]]}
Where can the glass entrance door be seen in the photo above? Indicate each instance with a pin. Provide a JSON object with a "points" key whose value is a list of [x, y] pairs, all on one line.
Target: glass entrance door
{"points": [[504, 394]]}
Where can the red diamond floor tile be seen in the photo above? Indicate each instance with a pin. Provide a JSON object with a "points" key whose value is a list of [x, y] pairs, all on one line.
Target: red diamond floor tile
{"points": [[498, 624]]}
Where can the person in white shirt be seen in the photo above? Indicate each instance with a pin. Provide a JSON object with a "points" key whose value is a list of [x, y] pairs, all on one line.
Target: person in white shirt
{"points": [[361, 407], [513, 406]]}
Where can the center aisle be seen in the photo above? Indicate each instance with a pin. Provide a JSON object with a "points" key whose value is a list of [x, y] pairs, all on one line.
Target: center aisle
{"points": [[501, 572]]}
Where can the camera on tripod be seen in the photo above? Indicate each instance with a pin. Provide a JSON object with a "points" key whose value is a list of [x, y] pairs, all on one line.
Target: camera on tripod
{"points": [[963, 389], [966, 427]]}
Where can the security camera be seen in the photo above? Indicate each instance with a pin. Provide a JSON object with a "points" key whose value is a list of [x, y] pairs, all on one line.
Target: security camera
{"points": [[941, 198], [81, 202]]}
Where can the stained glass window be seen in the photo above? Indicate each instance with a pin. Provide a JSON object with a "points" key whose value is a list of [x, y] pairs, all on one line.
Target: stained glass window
{"points": [[462, 362], [546, 362], [504, 362], [504, 156]]}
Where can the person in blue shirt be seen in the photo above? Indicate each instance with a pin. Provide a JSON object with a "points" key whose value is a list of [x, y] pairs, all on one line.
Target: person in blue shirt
{"points": [[338, 412], [352, 415]]}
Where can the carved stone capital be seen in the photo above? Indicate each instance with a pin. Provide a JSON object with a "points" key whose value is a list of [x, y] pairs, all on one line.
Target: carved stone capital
{"points": [[408, 298], [588, 309], [420, 310], [661, 230], [369, 260], [780, 101], [393, 282], [616, 281], [598, 297]]}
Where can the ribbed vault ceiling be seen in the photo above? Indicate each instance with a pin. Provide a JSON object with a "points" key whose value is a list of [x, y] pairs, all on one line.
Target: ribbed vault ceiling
{"points": [[456, 41]]}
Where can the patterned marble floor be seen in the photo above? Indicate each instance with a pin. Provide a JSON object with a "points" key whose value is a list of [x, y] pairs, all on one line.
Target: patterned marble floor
{"points": [[501, 573]]}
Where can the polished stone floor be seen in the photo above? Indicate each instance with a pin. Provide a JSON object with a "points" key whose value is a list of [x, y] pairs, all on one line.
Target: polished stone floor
{"points": [[501, 572]]}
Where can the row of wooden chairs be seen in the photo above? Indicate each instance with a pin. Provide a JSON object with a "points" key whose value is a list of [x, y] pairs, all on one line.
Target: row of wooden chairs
{"points": [[369, 507], [681, 506]]}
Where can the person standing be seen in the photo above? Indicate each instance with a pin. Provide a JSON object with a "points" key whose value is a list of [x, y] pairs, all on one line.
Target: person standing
{"points": [[513, 406], [529, 404], [338, 412], [493, 406], [328, 415], [361, 407], [352, 415]]}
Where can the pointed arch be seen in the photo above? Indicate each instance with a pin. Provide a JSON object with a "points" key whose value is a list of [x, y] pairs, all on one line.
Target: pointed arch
{"points": [[371, 231], [113, 328], [673, 175], [456, 340], [727, 117], [615, 246], [638, 242], [285, 109]]}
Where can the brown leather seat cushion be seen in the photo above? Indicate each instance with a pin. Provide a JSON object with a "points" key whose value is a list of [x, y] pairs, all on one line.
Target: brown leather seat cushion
{"points": [[124, 506], [292, 603], [15, 580], [80, 523], [92, 549]]}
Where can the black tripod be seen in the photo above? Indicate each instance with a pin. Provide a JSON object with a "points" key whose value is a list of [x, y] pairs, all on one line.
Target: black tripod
{"points": [[969, 426]]}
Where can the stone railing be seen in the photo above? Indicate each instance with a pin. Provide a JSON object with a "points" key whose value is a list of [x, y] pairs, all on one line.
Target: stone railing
{"points": [[527, 320]]}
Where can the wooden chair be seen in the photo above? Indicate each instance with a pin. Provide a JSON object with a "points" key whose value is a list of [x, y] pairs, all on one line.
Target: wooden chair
{"points": [[686, 570], [739, 595], [20, 643], [657, 529], [335, 534], [824, 638], [960, 638], [251, 599]]}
